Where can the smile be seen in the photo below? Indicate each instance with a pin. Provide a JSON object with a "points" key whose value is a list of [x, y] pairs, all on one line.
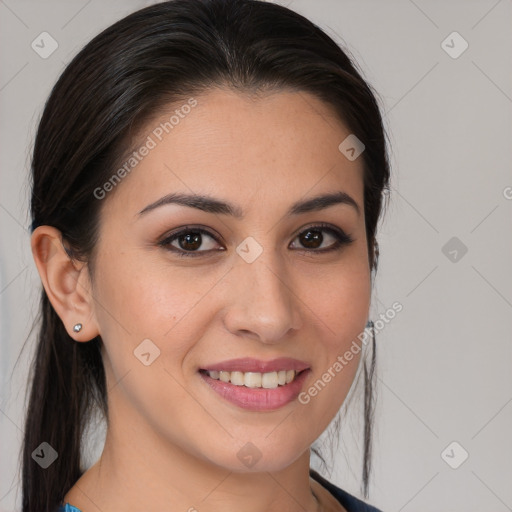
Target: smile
{"points": [[269, 380]]}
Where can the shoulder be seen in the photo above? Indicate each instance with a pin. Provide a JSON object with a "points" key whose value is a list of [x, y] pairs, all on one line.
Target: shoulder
{"points": [[349, 502], [67, 508]]}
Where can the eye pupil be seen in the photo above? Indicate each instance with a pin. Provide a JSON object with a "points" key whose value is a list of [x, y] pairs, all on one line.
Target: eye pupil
{"points": [[310, 240], [190, 238], [189, 241]]}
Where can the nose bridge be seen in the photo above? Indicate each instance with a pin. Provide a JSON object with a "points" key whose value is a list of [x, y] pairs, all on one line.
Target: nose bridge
{"points": [[263, 302]]}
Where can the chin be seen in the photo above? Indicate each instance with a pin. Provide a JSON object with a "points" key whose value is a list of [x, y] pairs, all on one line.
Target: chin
{"points": [[253, 458]]}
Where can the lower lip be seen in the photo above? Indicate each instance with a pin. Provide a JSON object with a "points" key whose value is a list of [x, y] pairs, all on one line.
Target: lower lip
{"points": [[258, 399]]}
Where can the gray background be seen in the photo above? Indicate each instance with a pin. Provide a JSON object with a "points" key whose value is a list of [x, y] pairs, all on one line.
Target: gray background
{"points": [[444, 361]]}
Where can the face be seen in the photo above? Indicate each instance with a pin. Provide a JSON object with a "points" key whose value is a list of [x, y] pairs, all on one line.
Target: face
{"points": [[180, 289]]}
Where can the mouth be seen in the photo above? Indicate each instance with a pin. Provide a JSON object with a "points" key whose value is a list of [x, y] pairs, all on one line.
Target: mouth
{"points": [[256, 385], [268, 380]]}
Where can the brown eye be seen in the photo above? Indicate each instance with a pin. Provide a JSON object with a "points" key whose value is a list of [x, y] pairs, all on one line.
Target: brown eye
{"points": [[312, 239], [196, 241], [188, 241]]}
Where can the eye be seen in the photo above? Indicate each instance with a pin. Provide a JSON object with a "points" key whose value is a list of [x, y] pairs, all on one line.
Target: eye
{"points": [[312, 238], [188, 240]]}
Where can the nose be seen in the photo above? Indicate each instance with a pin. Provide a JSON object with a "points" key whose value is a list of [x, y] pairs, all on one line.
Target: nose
{"points": [[262, 302]]}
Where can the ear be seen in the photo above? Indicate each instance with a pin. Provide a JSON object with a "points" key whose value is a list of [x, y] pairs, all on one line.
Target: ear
{"points": [[66, 282]]}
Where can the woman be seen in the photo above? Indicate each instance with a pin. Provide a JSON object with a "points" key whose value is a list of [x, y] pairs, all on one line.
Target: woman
{"points": [[207, 182]]}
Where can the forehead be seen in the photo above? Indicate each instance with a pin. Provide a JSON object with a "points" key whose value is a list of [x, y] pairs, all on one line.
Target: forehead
{"points": [[231, 144]]}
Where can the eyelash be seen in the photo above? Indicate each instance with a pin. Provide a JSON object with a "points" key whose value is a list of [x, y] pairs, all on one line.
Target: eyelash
{"points": [[342, 239]]}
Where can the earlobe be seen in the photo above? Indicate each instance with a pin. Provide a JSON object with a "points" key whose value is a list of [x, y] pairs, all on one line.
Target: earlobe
{"points": [[66, 282]]}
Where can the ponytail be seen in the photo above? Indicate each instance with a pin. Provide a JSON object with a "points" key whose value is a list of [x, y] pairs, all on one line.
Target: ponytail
{"points": [[67, 380]]}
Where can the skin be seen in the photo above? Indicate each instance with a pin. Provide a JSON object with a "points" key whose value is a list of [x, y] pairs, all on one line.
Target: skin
{"points": [[171, 442]]}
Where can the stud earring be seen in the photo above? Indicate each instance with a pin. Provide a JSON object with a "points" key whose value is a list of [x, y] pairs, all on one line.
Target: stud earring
{"points": [[77, 327]]}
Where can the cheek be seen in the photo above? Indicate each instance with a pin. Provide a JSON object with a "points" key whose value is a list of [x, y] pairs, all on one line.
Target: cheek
{"points": [[140, 298], [339, 308], [339, 298], [147, 297]]}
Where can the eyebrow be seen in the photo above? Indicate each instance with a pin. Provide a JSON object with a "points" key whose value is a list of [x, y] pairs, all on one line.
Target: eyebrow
{"points": [[211, 205]]}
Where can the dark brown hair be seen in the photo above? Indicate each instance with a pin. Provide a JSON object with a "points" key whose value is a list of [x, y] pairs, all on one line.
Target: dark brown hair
{"points": [[154, 57]]}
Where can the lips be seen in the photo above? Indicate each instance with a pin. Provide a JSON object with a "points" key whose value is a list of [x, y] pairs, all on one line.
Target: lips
{"points": [[225, 379], [257, 365], [256, 399]]}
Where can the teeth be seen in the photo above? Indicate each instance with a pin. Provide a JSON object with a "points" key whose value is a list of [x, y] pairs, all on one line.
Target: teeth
{"points": [[270, 380], [237, 378], [250, 379]]}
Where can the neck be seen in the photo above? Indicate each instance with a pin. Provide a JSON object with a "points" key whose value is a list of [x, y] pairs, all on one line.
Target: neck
{"points": [[139, 469]]}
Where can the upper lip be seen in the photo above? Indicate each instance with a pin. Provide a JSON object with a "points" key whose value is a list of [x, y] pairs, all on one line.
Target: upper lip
{"points": [[248, 364]]}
